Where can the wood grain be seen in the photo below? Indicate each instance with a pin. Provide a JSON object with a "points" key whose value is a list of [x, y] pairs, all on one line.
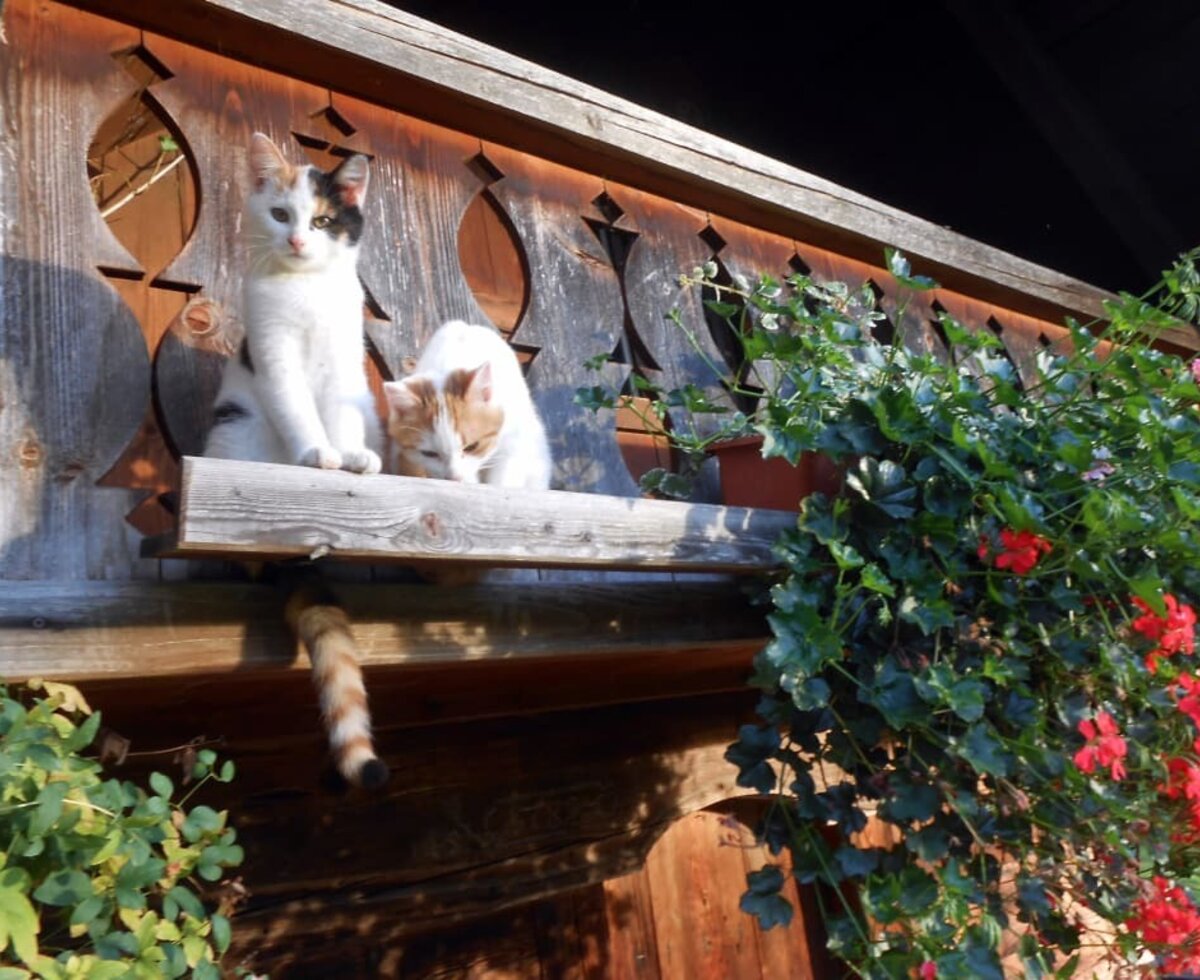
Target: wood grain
{"points": [[695, 880], [668, 244], [421, 188], [64, 333], [386, 55], [575, 312], [103, 630], [257, 509]]}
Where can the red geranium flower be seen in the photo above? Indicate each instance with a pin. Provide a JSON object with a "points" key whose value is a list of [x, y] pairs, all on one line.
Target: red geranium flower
{"points": [[1169, 921], [1174, 633], [1021, 550], [1189, 703], [1105, 746]]}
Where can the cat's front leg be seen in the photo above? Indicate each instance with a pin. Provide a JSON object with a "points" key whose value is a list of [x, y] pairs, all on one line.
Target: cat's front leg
{"points": [[355, 429], [287, 400]]}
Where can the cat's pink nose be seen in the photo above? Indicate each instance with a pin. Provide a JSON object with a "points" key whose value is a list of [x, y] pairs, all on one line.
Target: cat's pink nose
{"points": [[297, 243]]}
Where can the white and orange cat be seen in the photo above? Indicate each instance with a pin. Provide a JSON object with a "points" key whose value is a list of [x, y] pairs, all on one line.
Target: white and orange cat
{"points": [[297, 392], [465, 413]]}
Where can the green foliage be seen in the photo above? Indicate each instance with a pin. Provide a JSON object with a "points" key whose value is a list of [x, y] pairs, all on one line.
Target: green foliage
{"points": [[99, 878], [953, 624]]}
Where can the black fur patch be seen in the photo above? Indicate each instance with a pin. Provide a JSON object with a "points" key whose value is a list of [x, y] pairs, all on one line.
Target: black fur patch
{"points": [[244, 357], [346, 219], [229, 411]]}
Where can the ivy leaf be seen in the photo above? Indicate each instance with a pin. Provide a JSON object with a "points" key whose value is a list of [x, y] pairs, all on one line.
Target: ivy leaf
{"points": [[929, 614], [918, 891], [1031, 896], [64, 888], [762, 898], [755, 745], [930, 843], [901, 271], [872, 578], [221, 932], [894, 694], [856, 862], [983, 750], [18, 920], [911, 802], [967, 699], [883, 484], [49, 808]]}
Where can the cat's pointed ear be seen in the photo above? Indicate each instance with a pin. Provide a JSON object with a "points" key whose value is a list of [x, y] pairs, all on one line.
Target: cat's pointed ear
{"points": [[400, 395], [267, 162], [480, 387], [350, 179]]}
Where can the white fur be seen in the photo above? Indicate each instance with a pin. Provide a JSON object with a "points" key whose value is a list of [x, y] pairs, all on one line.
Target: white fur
{"points": [[521, 457], [307, 399]]}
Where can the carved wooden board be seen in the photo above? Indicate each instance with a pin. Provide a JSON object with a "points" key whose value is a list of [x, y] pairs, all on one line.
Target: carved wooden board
{"points": [[64, 333], [575, 312]]}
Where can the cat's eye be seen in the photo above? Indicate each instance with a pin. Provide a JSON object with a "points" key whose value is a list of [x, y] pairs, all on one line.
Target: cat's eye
{"points": [[430, 454], [280, 215], [472, 447], [322, 221]]}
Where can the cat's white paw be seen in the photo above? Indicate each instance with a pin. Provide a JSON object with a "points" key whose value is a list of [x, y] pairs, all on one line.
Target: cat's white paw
{"points": [[361, 461], [322, 457]]}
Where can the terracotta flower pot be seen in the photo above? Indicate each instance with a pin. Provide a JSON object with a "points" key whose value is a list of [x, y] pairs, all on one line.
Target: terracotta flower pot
{"points": [[748, 480]]}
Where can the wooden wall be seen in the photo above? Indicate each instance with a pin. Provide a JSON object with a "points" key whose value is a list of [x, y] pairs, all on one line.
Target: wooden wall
{"points": [[536, 758], [107, 382]]}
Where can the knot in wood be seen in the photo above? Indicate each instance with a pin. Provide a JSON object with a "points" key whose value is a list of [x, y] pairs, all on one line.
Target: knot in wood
{"points": [[30, 453], [432, 524]]}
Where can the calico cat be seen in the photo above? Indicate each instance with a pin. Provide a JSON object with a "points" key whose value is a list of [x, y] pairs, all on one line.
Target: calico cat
{"points": [[297, 391], [465, 413]]}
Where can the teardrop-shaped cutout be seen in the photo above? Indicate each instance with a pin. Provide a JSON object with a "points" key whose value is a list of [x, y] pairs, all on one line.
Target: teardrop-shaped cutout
{"points": [[493, 262], [143, 181]]}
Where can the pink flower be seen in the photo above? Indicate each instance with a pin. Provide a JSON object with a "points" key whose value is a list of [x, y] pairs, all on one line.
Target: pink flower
{"points": [[1105, 746], [927, 970], [1196, 370]]}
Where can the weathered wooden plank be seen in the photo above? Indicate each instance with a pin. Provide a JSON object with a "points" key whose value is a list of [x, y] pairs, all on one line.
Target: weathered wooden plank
{"points": [[64, 333], [632, 948], [101, 630], [376, 52], [477, 817], [695, 882], [263, 510], [421, 186], [575, 312], [668, 243]]}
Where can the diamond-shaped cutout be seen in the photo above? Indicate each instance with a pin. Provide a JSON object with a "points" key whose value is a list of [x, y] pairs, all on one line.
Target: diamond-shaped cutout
{"points": [[483, 168], [146, 69], [798, 265], [608, 208], [712, 239]]}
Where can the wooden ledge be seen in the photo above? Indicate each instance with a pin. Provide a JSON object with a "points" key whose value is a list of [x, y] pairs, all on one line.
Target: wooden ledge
{"points": [[259, 510], [104, 631]]}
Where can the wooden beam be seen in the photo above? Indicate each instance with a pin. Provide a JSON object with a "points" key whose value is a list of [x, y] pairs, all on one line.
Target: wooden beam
{"points": [[236, 509], [109, 631], [369, 50]]}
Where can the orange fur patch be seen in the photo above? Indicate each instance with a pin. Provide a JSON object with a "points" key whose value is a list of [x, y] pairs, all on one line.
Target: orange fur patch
{"points": [[476, 421]]}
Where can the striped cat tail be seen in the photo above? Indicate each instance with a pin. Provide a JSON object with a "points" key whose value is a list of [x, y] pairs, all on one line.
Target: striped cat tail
{"points": [[321, 624]]}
